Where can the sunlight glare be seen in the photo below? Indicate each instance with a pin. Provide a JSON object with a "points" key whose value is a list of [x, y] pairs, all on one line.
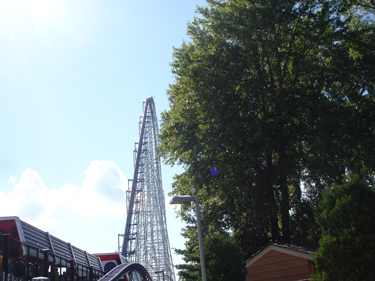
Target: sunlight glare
{"points": [[38, 8], [36, 23], [22, 15]]}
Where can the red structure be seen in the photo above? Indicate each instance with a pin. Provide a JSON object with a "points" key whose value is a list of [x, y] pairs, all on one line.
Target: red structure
{"points": [[111, 260], [20, 240]]}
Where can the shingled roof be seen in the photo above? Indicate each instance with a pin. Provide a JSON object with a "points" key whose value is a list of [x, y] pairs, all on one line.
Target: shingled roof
{"points": [[306, 251]]}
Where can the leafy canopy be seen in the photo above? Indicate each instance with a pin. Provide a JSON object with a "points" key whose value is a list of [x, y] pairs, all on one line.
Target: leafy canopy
{"points": [[347, 247], [273, 94]]}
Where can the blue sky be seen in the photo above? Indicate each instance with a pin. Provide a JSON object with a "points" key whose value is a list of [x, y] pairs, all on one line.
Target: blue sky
{"points": [[73, 77]]}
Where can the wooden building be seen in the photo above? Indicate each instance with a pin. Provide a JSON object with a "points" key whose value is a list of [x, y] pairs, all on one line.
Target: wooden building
{"points": [[280, 262]]}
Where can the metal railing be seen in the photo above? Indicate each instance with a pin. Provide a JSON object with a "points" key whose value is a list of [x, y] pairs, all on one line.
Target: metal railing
{"points": [[40, 262]]}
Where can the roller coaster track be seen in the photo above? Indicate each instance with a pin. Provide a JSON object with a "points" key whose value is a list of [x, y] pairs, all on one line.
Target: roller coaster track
{"points": [[135, 270], [146, 238]]}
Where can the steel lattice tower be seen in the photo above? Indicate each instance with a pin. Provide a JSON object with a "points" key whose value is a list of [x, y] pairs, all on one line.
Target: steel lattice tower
{"points": [[146, 237]]}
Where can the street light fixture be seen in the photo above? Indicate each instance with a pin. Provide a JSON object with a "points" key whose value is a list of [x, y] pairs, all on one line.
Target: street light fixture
{"points": [[187, 199]]}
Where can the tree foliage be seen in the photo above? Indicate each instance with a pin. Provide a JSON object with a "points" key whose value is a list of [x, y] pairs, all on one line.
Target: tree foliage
{"points": [[347, 248], [224, 259], [191, 269], [273, 94]]}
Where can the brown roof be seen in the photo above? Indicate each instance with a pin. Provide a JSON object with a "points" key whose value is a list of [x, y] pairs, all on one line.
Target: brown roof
{"points": [[306, 249]]}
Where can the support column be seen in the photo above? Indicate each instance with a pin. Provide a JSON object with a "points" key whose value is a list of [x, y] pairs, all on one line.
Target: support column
{"points": [[45, 262], [91, 277], [5, 254], [72, 269]]}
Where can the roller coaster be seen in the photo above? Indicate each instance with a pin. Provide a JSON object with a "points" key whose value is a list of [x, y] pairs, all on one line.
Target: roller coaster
{"points": [[146, 244], [145, 253]]}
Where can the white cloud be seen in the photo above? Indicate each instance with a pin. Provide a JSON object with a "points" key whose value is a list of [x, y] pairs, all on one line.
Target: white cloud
{"points": [[29, 199], [12, 179], [101, 193], [103, 190]]}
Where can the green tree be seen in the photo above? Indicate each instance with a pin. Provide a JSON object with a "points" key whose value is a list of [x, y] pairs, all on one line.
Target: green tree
{"points": [[224, 259], [343, 135], [237, 105], [191, 269], [261, 94], [347, 248]]}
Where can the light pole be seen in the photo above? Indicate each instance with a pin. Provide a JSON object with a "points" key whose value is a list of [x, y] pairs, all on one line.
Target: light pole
{"points": [[187, 199]]}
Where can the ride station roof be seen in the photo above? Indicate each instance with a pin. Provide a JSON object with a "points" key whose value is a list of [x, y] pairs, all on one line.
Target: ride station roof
{"points": [[34, 237]]}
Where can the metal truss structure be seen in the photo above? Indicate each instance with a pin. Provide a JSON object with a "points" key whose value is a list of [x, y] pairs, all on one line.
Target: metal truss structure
{"points": [[146, 238]]}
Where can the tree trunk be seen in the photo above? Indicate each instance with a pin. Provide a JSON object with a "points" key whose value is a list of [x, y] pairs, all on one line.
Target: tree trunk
{"points": [[275, 234], [284, 195]]}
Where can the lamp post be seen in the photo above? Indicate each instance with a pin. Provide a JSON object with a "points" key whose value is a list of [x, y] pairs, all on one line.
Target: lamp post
{"points": [[187, 199]]}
